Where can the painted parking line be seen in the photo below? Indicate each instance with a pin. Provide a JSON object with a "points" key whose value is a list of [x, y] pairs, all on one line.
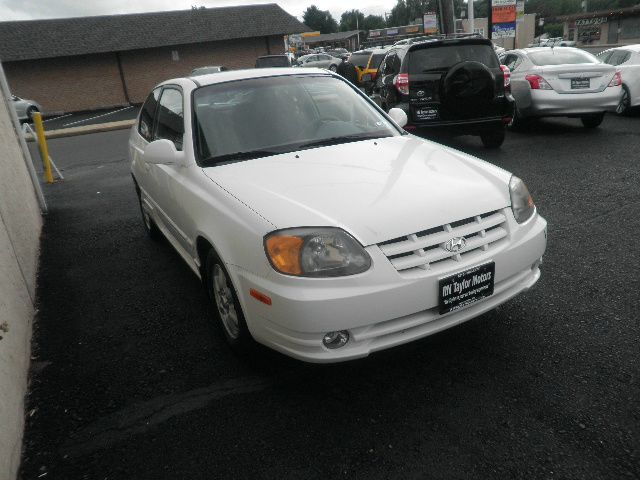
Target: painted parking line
{"points": [[57, 118], [97, 116]]}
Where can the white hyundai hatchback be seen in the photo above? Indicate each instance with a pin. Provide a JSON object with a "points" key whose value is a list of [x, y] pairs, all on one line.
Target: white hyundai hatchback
{"points": [[318, 225]]}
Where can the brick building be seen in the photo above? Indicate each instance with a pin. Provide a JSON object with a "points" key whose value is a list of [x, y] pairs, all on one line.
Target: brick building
{"points": [[85, 63]]}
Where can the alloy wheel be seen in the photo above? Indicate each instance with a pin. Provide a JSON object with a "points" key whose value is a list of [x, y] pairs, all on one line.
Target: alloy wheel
{"points": [[225, 303]]}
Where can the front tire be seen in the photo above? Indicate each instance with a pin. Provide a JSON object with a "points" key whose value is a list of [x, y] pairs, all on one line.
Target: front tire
{"points": [[493, 138], [227, 310], [625, 102], [592, 121]]}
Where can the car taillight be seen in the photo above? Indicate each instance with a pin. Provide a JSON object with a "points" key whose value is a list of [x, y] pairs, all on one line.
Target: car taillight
{"points": [[616, 80], [507, 78], [401, 82], [538, 83]]}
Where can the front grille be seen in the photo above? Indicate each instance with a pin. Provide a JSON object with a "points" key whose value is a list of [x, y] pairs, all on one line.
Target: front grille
{"points": [[424, 250]]}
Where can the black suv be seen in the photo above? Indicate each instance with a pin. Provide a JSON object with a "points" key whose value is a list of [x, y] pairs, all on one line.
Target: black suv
{"points": [[455, 83]]}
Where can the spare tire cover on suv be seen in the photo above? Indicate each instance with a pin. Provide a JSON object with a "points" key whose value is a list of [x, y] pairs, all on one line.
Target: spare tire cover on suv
{"points": [[468, 89]]}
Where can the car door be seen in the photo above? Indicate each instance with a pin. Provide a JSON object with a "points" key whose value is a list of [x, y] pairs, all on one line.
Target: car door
{"points": [[138, 141], [625, 61], [324, 61]]}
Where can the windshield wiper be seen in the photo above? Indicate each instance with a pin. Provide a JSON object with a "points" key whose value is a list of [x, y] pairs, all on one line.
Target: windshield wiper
{"points": [[337, 140], [236, 156]]}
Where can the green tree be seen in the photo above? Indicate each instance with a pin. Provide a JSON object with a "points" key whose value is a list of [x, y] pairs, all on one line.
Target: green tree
{"points": [[373, 22], [348, 20], [320, 20], [399, 15]]}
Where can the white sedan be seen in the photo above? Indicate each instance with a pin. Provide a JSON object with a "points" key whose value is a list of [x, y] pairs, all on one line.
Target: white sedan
{"points": [[318, 225], [627, 60], [562, 81]]}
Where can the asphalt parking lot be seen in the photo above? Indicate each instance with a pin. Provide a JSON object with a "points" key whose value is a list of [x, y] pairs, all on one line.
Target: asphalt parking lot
{"points": [[130, 380]]}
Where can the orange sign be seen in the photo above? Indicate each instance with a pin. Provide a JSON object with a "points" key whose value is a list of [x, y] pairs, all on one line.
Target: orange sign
{"points": [[504, 14]]}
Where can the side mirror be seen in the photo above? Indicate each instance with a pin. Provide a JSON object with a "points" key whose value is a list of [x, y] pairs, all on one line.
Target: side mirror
{"points": [[163, 152], [399, 116]]}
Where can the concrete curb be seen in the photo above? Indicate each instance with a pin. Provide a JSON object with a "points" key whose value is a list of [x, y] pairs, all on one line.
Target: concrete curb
{"points": [[85, 129]]}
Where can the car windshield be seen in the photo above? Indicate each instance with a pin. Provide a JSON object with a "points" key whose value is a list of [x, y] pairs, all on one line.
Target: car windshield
{"points": [[267, 116], [443, 57], [560, 56], [360, 59]]}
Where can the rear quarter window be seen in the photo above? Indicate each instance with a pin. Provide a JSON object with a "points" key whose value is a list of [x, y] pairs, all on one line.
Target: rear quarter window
{"points": [[443, 57], [555, 56]]}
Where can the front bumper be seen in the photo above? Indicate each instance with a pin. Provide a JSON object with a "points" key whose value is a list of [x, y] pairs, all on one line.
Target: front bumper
{"points": [[380, 308], [551, 103]]}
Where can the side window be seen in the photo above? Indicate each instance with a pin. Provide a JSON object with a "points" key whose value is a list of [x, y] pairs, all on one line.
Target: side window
{"points": [[618, 57], [170, 117], [510, 61], [148, 111]]}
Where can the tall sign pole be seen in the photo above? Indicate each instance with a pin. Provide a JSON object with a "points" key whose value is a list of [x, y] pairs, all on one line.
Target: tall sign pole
{"points": [[490, 19], [471, 16]]}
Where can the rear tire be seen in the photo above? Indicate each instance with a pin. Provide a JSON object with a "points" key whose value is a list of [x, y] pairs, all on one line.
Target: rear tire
{"points": [[592, 121], [624, 106], [227, 311], [493, 138]]}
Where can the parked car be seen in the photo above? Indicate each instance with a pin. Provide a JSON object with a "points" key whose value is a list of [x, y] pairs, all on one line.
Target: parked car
{"points": [[321, 228], [562, 81], [368, 61], [319, 60], [627, 60], [338, 52], [268, 61], [207, 70], [455, 84], [25, 108]]}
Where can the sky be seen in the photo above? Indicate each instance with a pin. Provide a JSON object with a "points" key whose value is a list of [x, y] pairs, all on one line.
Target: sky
{"points": [[38, 9]]}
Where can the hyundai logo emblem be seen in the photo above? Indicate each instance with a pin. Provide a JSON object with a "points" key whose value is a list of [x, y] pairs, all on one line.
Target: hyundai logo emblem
{"points": [[455, 244], [420, 93]]}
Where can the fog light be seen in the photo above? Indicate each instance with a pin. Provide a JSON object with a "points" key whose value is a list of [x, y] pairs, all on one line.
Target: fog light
{"points": [[336, 339]]}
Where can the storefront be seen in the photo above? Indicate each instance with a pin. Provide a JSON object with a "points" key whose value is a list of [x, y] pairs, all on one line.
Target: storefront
{"points": [[613, 27]]}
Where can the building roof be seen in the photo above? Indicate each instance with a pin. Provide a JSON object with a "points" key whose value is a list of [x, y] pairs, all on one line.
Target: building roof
{"points": [[332, 37], [27, 40], [618, 12]]}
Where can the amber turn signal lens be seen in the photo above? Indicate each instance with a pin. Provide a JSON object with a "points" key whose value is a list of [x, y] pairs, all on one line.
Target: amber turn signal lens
{"points": [[284, 252]]}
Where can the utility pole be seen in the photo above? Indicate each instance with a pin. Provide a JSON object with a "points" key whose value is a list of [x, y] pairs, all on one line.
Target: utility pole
{"points": [[471, 16], [447, 18]]}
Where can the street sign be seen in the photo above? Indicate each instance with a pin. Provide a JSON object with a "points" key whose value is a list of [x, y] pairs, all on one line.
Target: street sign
{"points": [[430, 23]]}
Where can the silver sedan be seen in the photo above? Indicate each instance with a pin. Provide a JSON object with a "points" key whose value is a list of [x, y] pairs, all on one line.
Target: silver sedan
{"points": [[24, 108], [562, 81], [320, 60]]}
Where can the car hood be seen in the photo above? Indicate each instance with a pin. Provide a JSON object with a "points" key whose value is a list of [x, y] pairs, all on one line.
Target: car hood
{"points": [[374, 189]]}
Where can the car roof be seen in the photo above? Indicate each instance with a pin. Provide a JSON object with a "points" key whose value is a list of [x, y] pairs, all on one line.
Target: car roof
{"points": [[233, 75]]}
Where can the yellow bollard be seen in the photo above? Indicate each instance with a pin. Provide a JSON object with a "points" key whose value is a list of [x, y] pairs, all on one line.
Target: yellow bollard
{"points": [[42, 143]]}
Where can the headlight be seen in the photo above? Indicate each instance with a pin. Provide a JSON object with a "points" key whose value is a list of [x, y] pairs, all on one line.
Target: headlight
{"points": [[316, 252], [521, 200]]}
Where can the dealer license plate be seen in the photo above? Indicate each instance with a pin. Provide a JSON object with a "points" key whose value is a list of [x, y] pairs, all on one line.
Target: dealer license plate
{"points": [[427, 113], [577, 83], [464, 288]]}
